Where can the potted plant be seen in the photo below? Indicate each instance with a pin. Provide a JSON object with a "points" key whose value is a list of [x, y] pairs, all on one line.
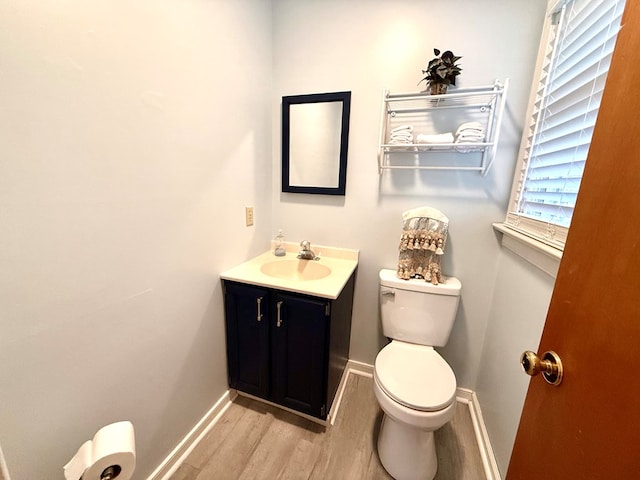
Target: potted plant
{"points": [[441, 72]]}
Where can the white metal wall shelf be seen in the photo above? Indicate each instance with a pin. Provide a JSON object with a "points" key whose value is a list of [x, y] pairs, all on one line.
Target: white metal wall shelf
{"points": [[435, 114]]}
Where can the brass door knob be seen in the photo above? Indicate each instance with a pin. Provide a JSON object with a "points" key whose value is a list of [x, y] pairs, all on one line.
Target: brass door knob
{"points": [[550, 365]]}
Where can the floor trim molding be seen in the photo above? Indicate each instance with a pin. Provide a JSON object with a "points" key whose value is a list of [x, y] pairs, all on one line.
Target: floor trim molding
{"points": [[360, 368], [491, 471], [352, 368], [173, 461], [324, 423]]}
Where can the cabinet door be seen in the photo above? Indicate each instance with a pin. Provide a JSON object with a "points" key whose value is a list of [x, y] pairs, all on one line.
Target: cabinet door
{"points": [[299, 353], [247, 319]]}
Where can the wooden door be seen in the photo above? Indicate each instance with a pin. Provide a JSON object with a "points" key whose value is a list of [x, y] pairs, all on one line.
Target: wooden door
{"points": [[588, 427], [300, 354], [247, 322]]}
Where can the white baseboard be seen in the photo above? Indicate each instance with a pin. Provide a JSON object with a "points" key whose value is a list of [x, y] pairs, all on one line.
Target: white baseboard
{"points": [[352, 368], [173, 461], [489, 463], [286, 409], [360, 368]]}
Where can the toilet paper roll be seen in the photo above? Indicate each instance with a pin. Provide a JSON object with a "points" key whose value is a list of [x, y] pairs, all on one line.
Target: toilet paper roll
{"points": [[112, 446]]}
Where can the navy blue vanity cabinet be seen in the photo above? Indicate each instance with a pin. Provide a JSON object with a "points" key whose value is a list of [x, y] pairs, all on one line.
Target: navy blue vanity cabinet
{"points": [[247, 322], [299, 352], [296, 353]]}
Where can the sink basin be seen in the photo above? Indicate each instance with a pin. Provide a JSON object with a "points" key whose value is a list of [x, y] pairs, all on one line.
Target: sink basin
{"points": [[300, 270], [324, 278]]}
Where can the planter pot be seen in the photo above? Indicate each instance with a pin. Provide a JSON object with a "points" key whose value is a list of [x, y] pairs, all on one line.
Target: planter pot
{"points": [[438, 88]]}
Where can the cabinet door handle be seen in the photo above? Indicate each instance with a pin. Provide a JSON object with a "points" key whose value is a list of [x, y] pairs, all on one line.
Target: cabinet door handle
{"points": [[259, 301], [279, 320]]}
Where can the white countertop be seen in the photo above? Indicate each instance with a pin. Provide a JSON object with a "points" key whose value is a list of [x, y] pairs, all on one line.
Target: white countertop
{"points": [[341, 261]]}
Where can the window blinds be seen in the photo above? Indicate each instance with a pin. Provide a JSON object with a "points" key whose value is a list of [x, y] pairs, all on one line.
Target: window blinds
{"points": [[580, 44]]}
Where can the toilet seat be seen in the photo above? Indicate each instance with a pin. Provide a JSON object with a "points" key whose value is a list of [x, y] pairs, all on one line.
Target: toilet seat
{"points": [[415, 376]]}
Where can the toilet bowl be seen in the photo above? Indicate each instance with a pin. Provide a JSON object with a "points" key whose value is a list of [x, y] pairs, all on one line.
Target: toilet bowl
{"points": [[416, 389]]}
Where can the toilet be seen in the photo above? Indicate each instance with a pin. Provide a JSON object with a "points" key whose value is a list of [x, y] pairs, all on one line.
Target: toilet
{"points": [[414, 385]]}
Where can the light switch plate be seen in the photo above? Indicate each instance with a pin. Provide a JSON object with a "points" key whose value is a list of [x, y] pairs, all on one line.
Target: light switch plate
{"points": [[248, 211]]}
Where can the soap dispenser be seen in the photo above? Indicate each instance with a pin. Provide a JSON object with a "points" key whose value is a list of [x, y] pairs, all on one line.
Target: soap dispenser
{"points": [[279, 245]]}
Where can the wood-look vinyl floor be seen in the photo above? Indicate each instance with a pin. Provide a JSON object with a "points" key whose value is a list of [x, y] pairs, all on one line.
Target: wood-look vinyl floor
{"points": [[254, 440]]}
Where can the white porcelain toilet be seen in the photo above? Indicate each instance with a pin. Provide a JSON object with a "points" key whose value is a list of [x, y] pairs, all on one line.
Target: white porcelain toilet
{"points": [[413, 384]]}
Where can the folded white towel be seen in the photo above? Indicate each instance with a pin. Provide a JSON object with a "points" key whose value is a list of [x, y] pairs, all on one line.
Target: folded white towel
{"points": [[470, 137], [470, 133], [394, 141], [437, 138], [477, 126], [402, 133], [402, 137], [471, 125], [402, 128]]}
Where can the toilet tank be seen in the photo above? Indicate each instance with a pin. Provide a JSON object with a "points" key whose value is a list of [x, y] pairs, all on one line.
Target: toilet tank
{"points": [[417, 311]]}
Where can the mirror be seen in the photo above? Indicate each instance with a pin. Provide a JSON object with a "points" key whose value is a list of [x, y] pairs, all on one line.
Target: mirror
{"points": [[315, 137]]}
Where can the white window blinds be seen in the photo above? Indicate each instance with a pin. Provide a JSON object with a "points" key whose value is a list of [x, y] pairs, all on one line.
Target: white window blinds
{"points": [[579, 45]]}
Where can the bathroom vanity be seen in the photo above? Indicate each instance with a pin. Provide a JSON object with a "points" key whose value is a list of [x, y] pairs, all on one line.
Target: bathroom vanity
{"points": [[288, 327]]}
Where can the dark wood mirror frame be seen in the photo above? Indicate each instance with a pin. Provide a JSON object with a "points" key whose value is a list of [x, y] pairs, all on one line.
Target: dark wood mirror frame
{"points": [[287, 102]]}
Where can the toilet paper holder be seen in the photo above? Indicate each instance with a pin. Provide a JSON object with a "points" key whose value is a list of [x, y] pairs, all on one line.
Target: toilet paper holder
{"points": [[109, 455], [111, 472]]}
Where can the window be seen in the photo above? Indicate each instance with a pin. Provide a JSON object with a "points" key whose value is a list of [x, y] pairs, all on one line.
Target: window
{"points": [[576, 52]]}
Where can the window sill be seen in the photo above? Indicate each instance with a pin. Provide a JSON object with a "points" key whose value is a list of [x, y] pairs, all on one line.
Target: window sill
{"points": [[539, 254]]}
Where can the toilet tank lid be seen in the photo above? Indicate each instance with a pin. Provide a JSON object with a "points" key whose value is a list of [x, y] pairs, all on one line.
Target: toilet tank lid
{"points": [[450, 285]]}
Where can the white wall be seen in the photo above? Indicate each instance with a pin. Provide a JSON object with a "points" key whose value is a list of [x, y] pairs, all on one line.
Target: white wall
{"points": [[518, 311], [132, 135], [366, 46]]}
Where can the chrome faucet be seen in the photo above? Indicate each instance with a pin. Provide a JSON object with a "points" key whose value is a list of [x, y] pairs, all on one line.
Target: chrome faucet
{"points": [[306, 253]]}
